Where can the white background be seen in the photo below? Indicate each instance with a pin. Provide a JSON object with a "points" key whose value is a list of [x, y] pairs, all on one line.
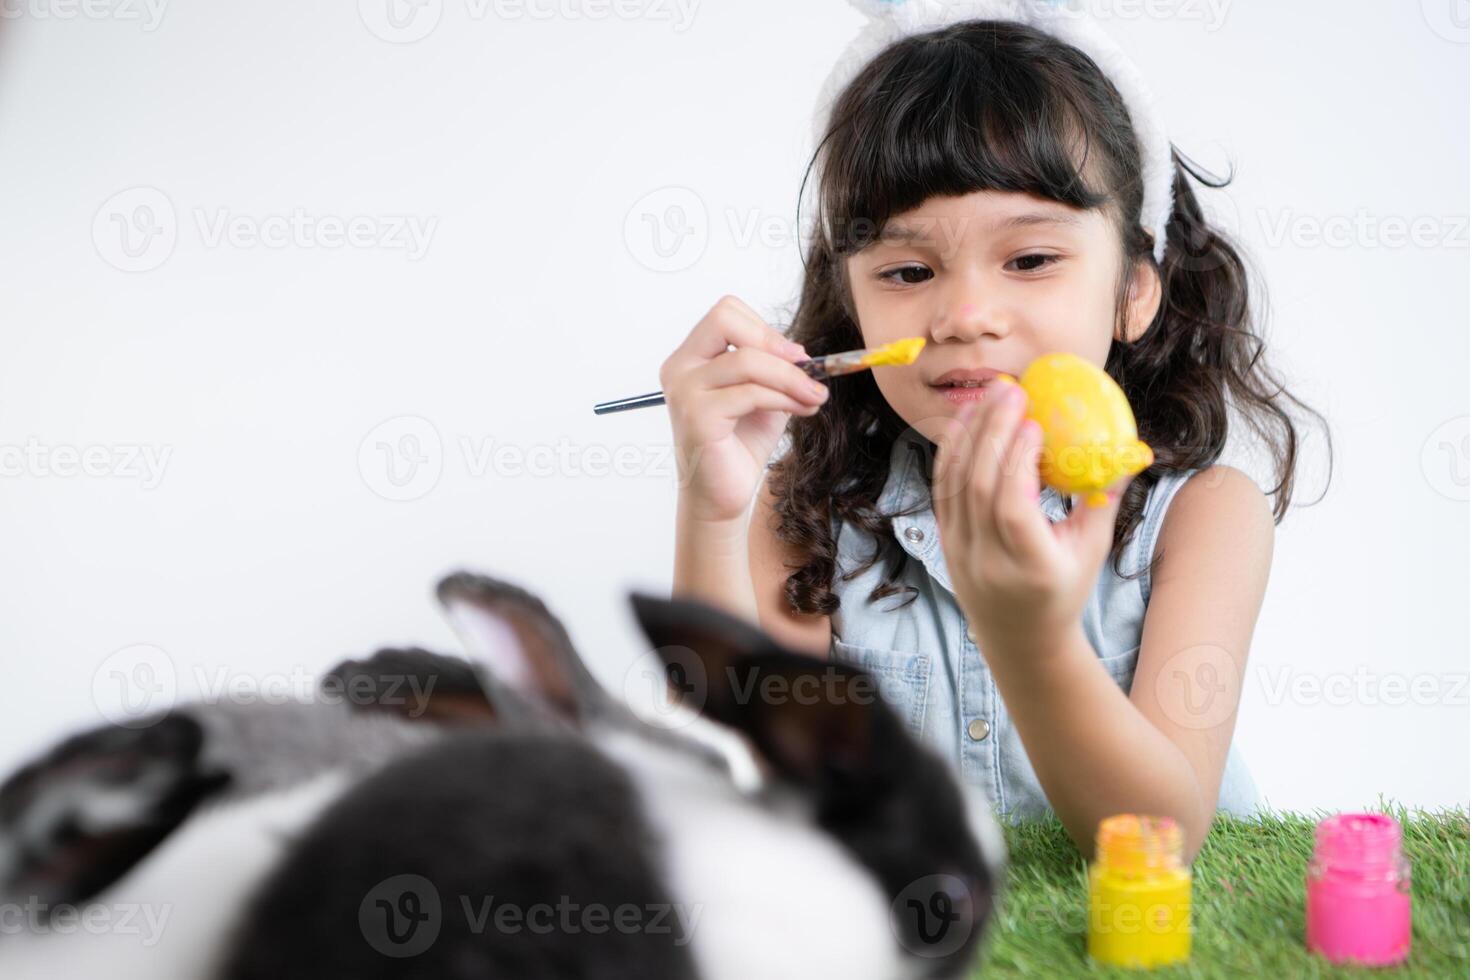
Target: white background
{"points": [[535, 145]]}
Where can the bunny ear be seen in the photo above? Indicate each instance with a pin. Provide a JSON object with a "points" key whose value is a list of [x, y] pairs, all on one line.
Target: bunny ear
{"points": [[526, 654], [812, 719], [412, 683], [77, 819]]}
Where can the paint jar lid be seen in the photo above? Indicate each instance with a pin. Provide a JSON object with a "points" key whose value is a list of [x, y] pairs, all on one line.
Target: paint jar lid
{"points": [[1131, 843], [1359, 842]]}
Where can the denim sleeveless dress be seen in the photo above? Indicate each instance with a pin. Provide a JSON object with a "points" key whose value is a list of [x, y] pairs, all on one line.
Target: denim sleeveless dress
{"points": [[931, 671]]}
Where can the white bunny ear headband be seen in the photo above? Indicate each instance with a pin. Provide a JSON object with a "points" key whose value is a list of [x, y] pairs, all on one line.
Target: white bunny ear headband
{"points": [[893, 20]]}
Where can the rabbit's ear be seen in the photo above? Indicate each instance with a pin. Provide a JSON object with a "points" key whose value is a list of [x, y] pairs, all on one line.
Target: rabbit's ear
{"points": [[524, 648], [811, 719], [77, 819], [415, 684]]}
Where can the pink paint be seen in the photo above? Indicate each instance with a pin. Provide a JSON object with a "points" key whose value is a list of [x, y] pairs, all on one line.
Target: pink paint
{"points": [[1358, 905]]}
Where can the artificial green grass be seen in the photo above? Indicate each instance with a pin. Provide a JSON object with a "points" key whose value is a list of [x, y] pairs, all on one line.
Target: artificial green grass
{"points": [[1248, 905]]}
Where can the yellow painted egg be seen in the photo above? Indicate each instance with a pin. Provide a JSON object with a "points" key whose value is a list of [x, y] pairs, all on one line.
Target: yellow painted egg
{"points": [[1089, 435]]}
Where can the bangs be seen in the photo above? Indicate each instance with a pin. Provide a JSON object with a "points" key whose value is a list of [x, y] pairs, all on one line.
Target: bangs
{"points": [[947, 114]]}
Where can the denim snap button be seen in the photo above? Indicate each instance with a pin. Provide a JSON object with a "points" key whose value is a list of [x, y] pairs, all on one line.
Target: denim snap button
{"points": [[914, 534]]}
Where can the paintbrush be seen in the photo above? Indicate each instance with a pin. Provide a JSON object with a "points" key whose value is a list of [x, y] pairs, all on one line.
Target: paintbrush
{"points": [[828, 366]]}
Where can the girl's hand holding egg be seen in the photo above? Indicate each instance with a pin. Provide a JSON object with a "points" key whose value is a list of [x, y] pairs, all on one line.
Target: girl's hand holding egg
{"points": [[1020, 579]]}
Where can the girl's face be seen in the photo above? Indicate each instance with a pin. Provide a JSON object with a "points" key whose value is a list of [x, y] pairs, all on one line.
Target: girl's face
{"points": [[992, 279]]}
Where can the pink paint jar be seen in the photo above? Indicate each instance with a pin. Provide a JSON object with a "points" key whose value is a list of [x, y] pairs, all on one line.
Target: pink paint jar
{"points": [[1358, 891]]}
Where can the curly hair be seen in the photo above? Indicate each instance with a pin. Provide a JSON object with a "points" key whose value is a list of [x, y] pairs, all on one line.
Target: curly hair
{"points": [[991, 105]]}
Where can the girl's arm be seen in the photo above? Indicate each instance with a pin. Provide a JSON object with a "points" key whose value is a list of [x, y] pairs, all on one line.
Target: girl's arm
{"points": [[711, 562], [1161, 749], [744, 571], [727, 409]]}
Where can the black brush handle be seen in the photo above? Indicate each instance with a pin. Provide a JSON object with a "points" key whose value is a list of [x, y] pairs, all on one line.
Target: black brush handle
{"points": [[815, 368], [626, 404]]}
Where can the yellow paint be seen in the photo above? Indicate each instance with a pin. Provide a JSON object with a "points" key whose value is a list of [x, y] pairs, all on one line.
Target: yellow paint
{"points": [[1089, 436], [1138, 893], [898, 352]]}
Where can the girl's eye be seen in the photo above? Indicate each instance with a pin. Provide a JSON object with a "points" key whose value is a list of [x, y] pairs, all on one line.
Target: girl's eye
{"points": [[893, 275], [1030, 263]]}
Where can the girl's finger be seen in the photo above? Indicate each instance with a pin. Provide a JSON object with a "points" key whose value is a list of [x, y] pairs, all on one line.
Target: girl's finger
{"points": [[951, 458], [997, 417], [749, 364], [1090, 527], [738, 401], [1019, 523], [950, 488], [731, 321]]}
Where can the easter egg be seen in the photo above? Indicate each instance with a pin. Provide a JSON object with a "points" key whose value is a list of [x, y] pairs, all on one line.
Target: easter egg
{"points": [[1089, 436]]}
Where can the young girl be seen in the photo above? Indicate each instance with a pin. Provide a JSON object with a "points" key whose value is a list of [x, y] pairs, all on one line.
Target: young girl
{"points": [[984, 186]]}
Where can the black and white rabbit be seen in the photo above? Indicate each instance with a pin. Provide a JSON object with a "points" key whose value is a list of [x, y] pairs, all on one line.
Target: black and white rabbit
{"points": [[859, 856], [856, 855]]}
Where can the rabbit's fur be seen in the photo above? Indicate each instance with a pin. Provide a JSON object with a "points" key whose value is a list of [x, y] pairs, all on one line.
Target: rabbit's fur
{"points": [[432, 838]]}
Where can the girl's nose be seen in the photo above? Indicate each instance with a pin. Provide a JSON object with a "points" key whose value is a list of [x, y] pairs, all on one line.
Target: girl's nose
{"points": [[968, 317]]}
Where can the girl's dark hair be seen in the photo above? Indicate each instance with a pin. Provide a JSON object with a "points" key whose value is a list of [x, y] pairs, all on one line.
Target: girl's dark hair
{"points": [[992, 105]]}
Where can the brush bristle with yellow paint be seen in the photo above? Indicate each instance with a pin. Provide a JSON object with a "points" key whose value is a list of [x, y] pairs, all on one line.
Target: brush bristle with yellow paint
{"points": [[829, 366], [899, 352]]}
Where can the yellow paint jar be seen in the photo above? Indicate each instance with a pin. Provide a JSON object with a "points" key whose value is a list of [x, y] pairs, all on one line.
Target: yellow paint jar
{"points": [[1138, 893]]}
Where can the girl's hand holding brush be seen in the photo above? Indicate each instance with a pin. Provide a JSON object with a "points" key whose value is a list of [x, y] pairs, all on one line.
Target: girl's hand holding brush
{"points": [[729, 408]]}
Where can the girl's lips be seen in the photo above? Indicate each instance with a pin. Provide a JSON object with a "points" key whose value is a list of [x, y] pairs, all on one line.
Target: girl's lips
{"points": [[959, 396]]}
